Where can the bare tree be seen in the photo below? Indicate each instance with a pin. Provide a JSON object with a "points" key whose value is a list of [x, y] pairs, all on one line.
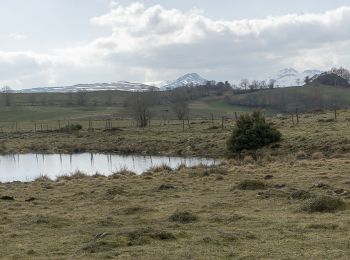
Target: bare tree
{"points": [[272, 83], [254, 85], [342, 72], [262, 84], [181, 110], [244, 84], [307, 80], [7, 94], [141, 104]]}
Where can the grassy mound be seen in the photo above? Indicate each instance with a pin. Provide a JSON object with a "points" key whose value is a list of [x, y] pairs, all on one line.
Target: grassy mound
{"points": [[323, 204]]}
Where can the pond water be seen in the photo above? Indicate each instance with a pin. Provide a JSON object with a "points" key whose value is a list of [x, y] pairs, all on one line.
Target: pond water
{"points": [[27, 167]]}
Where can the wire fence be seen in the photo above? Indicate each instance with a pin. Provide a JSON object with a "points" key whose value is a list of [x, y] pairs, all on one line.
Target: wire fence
{"points": [[161, 124], [112, 124]]}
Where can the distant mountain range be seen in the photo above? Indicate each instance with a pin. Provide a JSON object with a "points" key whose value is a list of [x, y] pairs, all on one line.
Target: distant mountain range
{"points": [[121, 85], [284, 78], [188, 79]]}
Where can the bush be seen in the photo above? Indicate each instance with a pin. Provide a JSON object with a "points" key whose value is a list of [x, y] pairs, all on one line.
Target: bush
{"points": [[323, 204], [252, 132], [71, 128]]}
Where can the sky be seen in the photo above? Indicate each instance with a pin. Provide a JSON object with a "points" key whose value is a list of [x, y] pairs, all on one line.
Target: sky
{"points": [[65, 42]]}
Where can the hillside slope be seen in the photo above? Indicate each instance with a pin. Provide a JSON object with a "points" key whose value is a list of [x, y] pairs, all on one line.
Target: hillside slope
{"points": [[305, 98]]}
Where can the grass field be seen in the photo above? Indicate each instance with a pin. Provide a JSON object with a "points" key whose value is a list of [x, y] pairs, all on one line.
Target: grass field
{"points": [[316, 132], [239, 210], [26, 117], [292, 203]]}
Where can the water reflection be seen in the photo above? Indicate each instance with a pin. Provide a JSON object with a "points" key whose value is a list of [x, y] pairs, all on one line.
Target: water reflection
{"points": [[27, 167]]}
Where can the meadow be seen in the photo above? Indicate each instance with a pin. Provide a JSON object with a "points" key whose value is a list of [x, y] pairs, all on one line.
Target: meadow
{"points": [[291, 203]]}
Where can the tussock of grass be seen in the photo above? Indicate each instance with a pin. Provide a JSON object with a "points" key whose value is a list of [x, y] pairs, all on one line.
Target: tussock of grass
{"points": [[317, 156], [326, 226], [252, 185], [166, 186], [300, 195], [325, 120], [183, 217], [161, 168], [6, 197], [135, 210], [181, 166], [74, 176], [122, 172], [301, 155], [115, 191], [100, 246], [43, 178], [163, 235], [323, 204]]}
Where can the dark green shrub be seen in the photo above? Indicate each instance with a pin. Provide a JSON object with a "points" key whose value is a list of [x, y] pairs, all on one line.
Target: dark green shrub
{"points": [[252, 132], [71, 128]]}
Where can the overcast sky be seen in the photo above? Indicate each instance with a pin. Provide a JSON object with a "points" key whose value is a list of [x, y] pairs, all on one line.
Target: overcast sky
{"points": [[64, 42]]}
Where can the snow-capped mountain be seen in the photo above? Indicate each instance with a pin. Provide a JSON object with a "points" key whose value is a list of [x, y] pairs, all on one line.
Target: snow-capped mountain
{"points": [[291, 77], [186, 80], [158, 84], [121, 85]]}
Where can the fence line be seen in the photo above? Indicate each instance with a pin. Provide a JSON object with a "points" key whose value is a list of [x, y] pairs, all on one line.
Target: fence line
{"points": [[162, 124], [110, 124]]}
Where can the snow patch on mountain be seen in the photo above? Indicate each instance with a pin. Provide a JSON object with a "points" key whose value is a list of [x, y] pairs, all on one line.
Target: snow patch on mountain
{"points": [[121, 85], [189, 79], [290, 77]]}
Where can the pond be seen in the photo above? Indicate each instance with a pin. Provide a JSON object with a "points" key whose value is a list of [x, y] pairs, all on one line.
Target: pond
{"points": [[27, 167]]}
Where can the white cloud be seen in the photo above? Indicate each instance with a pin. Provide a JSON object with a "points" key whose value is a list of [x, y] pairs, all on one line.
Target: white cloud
{"points": [[154, 43], [17, 36]]}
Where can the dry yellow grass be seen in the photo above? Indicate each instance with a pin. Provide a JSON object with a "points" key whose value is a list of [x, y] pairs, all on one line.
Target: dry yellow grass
{"points": [[131, 216]]}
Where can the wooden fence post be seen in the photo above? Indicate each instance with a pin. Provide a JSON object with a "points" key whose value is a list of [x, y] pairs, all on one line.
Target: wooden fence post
{"points": [[236, 117], [297, 115], [222, 123]]}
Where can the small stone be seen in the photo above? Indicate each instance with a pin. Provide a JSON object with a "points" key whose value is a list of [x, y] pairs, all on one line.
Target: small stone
{"points": [[268, 177]]}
